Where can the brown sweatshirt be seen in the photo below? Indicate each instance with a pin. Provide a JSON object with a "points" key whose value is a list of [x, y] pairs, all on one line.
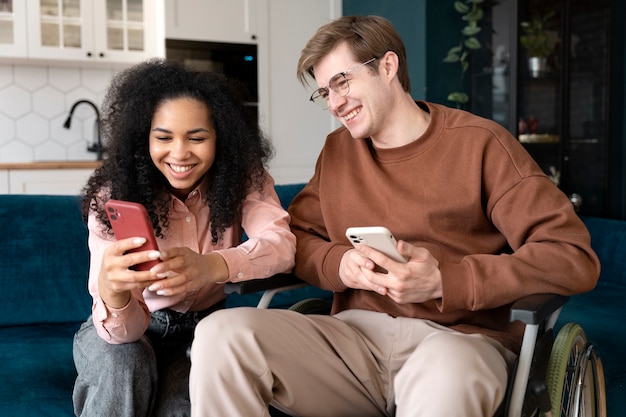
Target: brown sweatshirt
{"points": [[467, 191]]}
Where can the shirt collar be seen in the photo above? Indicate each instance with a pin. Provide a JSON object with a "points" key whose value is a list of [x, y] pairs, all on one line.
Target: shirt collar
{"points": [[197, 196]]}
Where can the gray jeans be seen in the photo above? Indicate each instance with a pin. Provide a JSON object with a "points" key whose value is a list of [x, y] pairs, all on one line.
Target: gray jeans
{"points": [[149, 377]]}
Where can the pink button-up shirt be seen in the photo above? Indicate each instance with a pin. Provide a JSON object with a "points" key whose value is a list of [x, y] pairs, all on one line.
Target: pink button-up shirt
{"points": [[269, 250]]}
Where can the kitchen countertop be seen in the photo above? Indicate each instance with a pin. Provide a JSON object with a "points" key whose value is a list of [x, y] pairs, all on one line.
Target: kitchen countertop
{"points": [[51, 165]]}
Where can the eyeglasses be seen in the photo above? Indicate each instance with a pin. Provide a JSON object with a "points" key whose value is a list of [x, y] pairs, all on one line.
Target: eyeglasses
{"points": [[338, 83]]}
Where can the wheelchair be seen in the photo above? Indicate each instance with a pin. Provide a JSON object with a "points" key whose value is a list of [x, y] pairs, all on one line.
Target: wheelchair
{"points": [[554, 376]]}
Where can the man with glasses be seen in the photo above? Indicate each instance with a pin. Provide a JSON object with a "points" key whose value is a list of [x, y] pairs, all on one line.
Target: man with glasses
{"points": [[477, 220]]}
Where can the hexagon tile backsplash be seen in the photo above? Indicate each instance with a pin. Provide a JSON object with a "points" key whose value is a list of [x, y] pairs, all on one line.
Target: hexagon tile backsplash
{"points": [[34, 103]]}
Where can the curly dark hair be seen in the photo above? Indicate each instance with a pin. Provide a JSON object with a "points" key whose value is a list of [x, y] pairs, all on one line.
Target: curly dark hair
{"points": [[128, 172]]}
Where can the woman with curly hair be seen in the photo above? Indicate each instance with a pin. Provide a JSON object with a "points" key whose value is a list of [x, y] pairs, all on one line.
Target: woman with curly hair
{"points": [[180, 143]]}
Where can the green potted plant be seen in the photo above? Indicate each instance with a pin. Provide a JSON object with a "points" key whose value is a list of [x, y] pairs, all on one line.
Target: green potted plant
{"points": [[472, 12], [537, 42]]}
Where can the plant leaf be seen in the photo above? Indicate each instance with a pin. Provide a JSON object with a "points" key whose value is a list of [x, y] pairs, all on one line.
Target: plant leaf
{"points": [[472, 43], [458, 97], [455, 50], [461, 7], [474, 16], [470, 30]]}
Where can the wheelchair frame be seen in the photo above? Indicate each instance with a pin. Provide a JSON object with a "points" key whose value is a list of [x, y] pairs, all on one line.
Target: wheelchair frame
{"points": [[568, 366]]}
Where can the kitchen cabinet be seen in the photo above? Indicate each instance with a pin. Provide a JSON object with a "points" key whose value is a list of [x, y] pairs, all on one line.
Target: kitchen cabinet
{"points": [[13, 28], [233, 21], [560, 113], [4, 181], [110, 31], [55, 178]]}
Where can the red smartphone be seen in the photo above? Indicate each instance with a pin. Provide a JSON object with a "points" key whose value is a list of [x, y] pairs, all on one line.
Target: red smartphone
{"points": [[130, 219]]}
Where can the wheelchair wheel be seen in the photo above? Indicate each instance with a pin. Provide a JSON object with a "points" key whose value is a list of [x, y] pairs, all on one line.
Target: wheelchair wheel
{"points": [[575, 377], [312, 306]]}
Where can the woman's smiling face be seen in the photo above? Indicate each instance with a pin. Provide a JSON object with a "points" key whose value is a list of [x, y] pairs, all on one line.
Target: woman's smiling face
{"points": [[182, 143]]}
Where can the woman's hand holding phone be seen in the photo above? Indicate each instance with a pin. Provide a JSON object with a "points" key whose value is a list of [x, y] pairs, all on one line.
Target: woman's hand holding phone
{"points": [[129, 219], [126, 263], [139, 264], [116, 279], [182, 271]]}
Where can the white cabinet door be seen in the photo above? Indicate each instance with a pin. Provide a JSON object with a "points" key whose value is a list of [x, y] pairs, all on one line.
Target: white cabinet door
{"points": [[131, 33], [4, 182], [60, 29], [13, 29], [48, 181], [231, 21], [124, 31]]}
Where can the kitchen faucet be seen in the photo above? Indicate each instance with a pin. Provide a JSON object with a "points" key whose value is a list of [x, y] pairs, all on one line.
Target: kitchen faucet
{"points": [[96, 147]]}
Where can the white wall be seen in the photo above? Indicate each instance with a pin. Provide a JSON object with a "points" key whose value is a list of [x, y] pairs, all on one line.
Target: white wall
{"points": [[298, 128]]}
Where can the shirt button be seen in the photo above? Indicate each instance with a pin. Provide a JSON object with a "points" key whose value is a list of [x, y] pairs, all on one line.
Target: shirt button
{"points": [[188, 219], [114, 315], [240, 275]]}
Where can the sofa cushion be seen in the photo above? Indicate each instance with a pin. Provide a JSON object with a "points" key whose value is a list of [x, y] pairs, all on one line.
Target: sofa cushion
{"points": [[608, 240], [287, 192], [37, 370], [45, 260]]}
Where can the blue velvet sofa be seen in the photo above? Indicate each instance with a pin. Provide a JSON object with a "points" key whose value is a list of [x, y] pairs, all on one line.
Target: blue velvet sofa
{"points": [[43, 300]]}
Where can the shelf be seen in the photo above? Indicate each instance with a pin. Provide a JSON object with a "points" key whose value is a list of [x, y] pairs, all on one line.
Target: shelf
{"points": [[538, 138]]}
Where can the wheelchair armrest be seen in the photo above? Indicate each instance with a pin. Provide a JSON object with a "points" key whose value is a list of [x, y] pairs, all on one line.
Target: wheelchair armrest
{"points": [[534, 309], [256, 285]]}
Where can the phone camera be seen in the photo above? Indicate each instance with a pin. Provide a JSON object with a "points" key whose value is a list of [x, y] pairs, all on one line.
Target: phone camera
{"points": [[113, 215], [356, 239]]}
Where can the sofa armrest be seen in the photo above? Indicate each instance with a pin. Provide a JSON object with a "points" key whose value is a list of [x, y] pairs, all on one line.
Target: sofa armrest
{"points": [[535, 308]]}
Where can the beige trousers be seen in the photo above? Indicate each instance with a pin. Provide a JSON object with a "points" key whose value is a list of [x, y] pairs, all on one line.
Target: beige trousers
{"points": [[356, 363]]}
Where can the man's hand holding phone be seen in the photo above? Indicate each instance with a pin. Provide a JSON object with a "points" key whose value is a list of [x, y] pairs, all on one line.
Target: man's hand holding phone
{"points": [[377, 237], [412, 277]]}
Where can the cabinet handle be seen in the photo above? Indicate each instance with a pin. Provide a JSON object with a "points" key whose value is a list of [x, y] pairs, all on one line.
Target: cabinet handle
{"points": [[253, 37], [89, 54], [101, 54]]}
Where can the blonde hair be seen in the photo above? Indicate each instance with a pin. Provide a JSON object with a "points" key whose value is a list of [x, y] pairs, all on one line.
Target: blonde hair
{"points": [[366, 36]]}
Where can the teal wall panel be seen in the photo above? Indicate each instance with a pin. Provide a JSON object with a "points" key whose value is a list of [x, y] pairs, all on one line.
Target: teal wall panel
{"points": [[429, 29], [408, 17]]}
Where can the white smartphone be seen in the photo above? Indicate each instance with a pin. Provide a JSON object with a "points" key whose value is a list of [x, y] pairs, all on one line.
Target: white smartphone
{"points": [[377, 237]]}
